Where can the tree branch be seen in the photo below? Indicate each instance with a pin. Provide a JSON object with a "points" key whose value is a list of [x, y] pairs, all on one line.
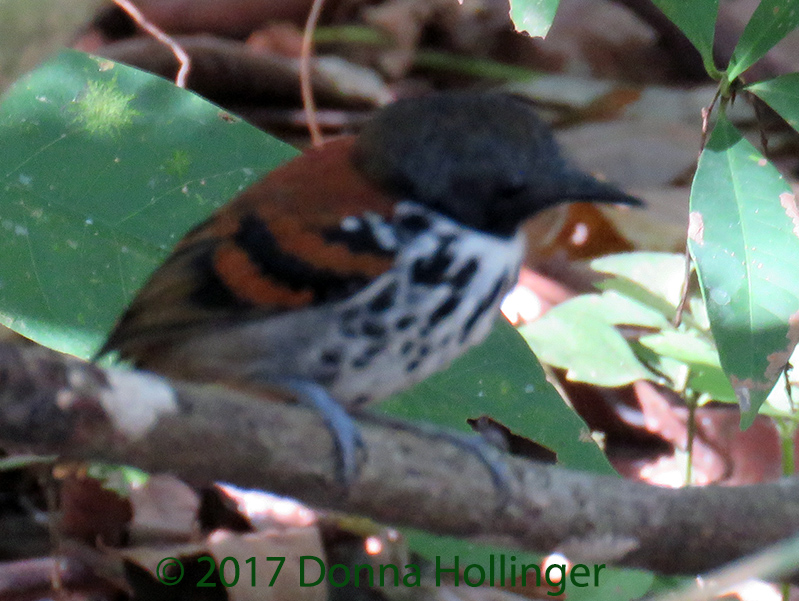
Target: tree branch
{"points": [[52, 403]]}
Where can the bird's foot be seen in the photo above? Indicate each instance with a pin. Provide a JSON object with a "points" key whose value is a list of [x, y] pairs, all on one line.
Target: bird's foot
{"points": [[346, 435], [487, 453]]}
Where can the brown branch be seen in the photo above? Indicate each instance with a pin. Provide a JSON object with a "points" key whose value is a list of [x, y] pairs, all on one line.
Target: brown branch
{"points": [[51, 403], [224, 69]]}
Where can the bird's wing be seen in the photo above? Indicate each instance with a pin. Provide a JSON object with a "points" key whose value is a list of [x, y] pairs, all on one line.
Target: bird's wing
{"points": [[308, 233]]}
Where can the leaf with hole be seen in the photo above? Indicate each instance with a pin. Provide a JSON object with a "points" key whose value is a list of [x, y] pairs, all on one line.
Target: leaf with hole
{"points": [[501, 378]]}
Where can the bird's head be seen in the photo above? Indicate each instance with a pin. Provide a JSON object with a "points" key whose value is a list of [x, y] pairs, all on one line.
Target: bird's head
{"points": [[486, 160]]}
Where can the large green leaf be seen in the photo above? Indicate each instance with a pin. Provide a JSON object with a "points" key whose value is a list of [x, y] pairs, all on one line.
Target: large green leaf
{"points": [[533, 16], [744, 237], [781, 94], [579, 336], [697, 20], [104, 167], [771, 21], [502, 378]]}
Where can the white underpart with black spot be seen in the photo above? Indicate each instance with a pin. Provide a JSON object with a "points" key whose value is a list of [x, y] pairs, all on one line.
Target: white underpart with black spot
{"points": [[441, 297]]}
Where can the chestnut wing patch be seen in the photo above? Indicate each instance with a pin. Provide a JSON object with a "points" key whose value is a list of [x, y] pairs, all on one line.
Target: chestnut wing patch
{"points": [[313, 231], [287, 266]]}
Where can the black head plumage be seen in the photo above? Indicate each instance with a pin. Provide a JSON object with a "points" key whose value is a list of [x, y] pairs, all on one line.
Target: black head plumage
{"points": [[486, 160]]}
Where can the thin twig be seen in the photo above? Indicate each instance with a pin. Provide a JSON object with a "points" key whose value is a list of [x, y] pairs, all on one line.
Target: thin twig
{"points": [[706, 112], [51, 498], [161, 36], [306, 86], [788, 387], [684, 293], [689, 443]]}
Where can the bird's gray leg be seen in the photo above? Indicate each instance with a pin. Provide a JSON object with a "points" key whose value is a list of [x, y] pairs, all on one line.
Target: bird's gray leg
{"points": [[345, 432]]}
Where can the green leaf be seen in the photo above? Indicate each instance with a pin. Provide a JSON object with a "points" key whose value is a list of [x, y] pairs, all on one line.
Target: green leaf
{"points": [[579, 336], [104, 168], [465, 552], [615, 584], [697, 20], [652, 278], [699, 355], [501, 378], [684, 346], [533, 16], [744, 237], [621, 310], [696, 305], [675, 373], [771, 21], [16, 462], [781, 94], [662, 584]]}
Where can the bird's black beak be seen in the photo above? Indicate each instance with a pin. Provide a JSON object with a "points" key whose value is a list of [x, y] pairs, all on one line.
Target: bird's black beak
{"points": [[578, 186]]}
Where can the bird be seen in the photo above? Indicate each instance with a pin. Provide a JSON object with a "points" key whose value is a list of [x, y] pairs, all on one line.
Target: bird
{"points": [[364, 265]]}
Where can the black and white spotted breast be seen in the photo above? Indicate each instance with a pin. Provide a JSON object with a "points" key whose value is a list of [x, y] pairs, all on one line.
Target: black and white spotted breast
{"points": [[440, 298]]}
